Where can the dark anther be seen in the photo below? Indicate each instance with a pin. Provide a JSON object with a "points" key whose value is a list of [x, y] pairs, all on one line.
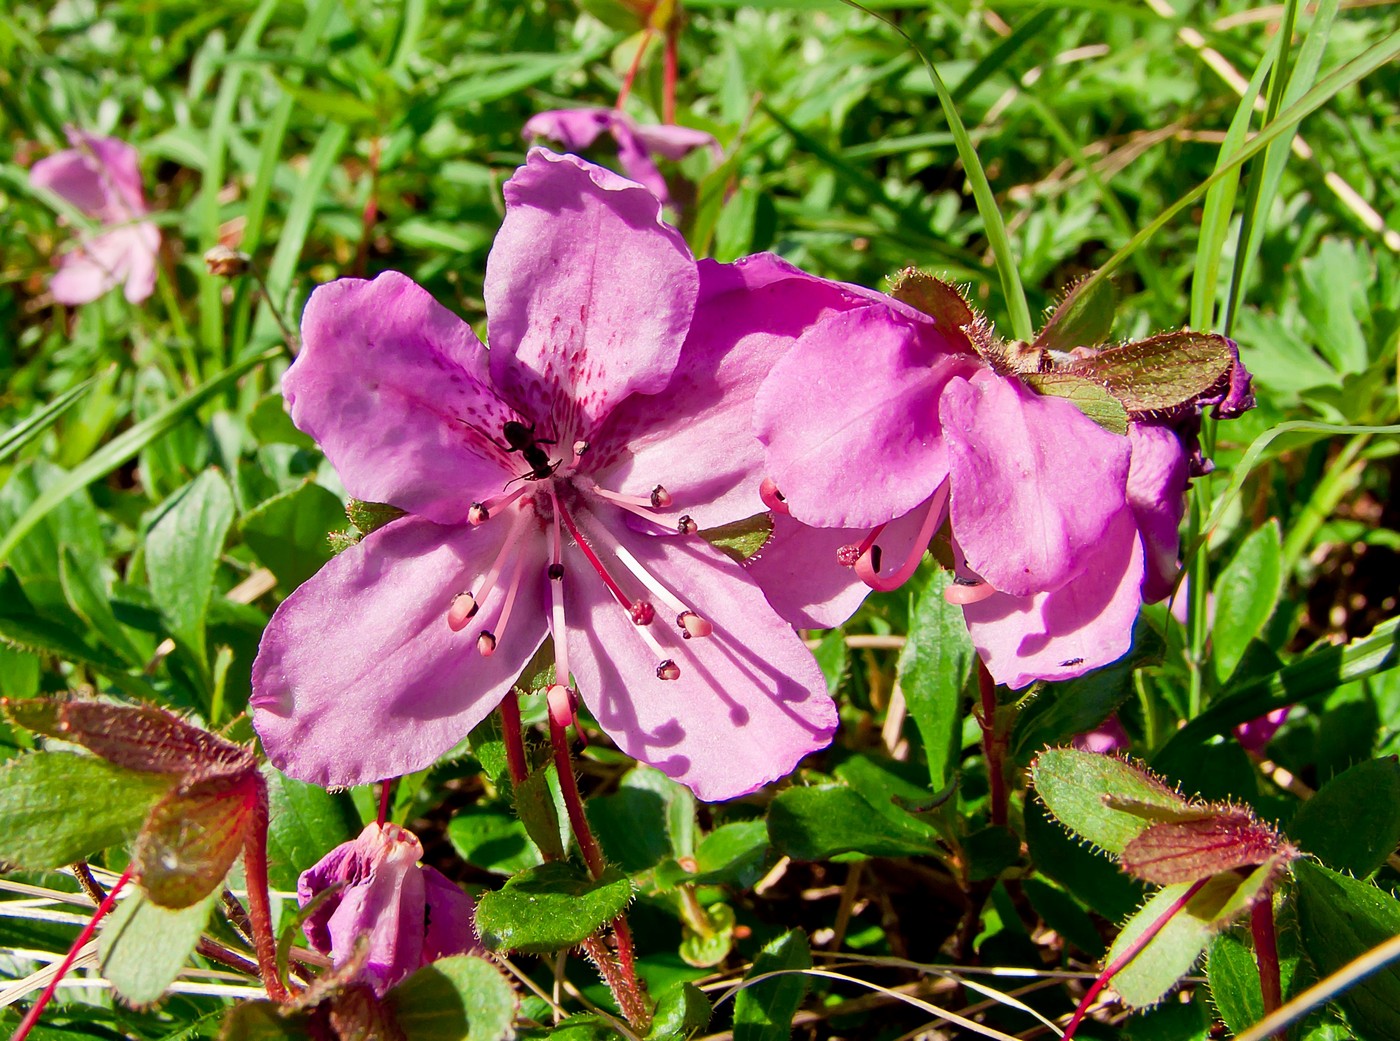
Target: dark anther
{"points": [[687, 526], [556, 571]]}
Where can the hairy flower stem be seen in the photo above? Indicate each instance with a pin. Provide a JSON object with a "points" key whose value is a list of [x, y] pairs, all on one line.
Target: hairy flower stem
{"points": [[621, 975], [1134, 949], [1261, 924], [37, 1009], [514, 739], [259, 907], [993, 746]]}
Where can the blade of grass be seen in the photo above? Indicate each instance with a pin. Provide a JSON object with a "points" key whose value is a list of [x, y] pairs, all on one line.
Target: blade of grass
{"points": [[25, 431], [121, 448], [211, 303], [997, 239]]}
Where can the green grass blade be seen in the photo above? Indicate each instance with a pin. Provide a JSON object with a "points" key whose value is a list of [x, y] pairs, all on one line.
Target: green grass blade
{"points": [[997, 238], [19, 435], [121, 448]]}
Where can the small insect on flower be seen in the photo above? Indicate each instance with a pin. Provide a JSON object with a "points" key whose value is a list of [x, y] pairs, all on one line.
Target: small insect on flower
{"points": [[521, 438]]}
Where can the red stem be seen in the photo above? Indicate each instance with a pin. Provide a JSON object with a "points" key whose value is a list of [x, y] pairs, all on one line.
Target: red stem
{"points": [[259, 906], [632, 70], [992, 745], [1134, 949], [568, 785], [371, 211], [36, 1010], [668, 96], [515, 743], [1261, 924], [385, 789]]}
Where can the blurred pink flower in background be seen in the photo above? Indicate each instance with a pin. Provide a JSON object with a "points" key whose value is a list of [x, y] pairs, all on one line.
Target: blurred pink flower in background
{"points": [[100, 176], [577, 129]]}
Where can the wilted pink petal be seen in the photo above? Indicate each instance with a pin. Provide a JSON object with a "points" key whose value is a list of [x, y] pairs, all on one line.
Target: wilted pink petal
{"points": [[413, 915], [1255, 735], [1157, 493]]}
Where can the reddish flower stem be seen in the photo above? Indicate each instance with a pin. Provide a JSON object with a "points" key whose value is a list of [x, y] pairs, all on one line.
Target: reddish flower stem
{"points": [[515, 741], [259, 906], [1134, 949], [632, 69], [992, 746], [1261, 924], [668, 96], [386, 789], [371, 211], [620, 976], [36, 1010]]}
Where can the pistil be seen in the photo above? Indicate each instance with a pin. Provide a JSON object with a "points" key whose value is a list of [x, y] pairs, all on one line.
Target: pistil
{"points": [[772, 498], [690, 621]]}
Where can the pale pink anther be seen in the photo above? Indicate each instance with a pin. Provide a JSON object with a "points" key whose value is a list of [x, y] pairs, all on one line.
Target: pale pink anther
{"points": [[692, 625], [668, 670], [660, 498], [687, 526], [462, 611], [561, 704], [486, 643], [478, 514]]}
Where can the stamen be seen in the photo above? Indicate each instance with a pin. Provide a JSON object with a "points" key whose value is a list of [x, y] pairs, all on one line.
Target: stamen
{"points": [[580, 450], [608, 580], [635, 566], [481, 512], [660, 497], [653, 644], [962, 592], [485, 648], [463, 609], [556, 615], [692, 624], [687, 526], [868, 566], [556, 571], [668, 670], [772, 498], [486, 643], [643, 612]]}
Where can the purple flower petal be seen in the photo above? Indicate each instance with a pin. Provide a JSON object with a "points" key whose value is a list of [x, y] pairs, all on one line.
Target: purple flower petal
{"points": [[694, 436], [636, 162], [1255, 735], [1157, 494], [675, 142], [589, 294], [798, 570], [358, 676], [1035, 483], [1084, 624], [451, 913], [750, 700], [395, 390], [850, 417], [574, 128]]}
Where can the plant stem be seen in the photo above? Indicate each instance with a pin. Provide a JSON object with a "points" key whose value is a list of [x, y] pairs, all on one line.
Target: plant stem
{"points": [[259, 906], [515, 742], [1134, 949], [992, 746], [1261, 924], [632, 69], [371, 210], [36, 1010], [621, 976], [668, 96]]}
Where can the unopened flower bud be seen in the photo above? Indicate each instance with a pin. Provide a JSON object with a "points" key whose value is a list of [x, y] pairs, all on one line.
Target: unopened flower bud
{"points": [[226, 263]]}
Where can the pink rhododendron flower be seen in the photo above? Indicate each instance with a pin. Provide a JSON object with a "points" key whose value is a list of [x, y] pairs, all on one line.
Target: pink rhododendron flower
{"points": [[577, 128], [1106, 738], [554, 485], [1060, 527], [413, 915], [100, 176]]}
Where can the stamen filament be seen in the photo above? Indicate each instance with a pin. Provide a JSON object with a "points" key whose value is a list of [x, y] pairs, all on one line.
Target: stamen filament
{"points": [[865, 566], [556, 596], [498, 631], [637, 568], [634, 504], [608, 581], [488, 508]]}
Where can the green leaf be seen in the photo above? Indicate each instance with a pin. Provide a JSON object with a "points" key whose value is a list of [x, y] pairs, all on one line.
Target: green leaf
{"points": [[1246, 594], [455, 999], [537, 803], [1367, 799], [182, 554], [56, 808], [935, 668], [1234, 983], [143, 947], [741, 539], [1091, 877], [497, 841], [820, 822], [549, 908], [732, 854], [1173, 951], [1083, 319], [705, 948], [263, 1021], [304, 821], [651, 817], [1073, 706], [289, 532], [36, 635], [270, 423], [682, 1011], [1088, 395], [1341, 919], [764, 1011], [1061, 912], [86, 593], [1074, 785], [583, 1027]]}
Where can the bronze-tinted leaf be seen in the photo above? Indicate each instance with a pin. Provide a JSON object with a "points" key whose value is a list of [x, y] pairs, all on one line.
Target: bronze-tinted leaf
{"points": [[137, 737], [192, 836], [1083, 319], [934, 297], [1183, 851], [1160, 373]]}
